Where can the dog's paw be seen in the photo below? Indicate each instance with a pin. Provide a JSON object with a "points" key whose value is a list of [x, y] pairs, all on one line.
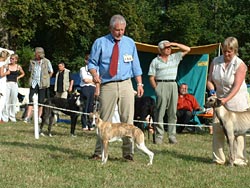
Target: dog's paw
{"points": [[50, 135], [149, 164], [103, 162]]}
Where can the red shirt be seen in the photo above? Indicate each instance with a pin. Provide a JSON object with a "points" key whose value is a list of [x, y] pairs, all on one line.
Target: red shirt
{"points": [[187, 102]]}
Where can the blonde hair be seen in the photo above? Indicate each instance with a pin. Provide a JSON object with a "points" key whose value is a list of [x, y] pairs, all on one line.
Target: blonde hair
{"points": [[232, 44], [5, 54], [14, 56]]}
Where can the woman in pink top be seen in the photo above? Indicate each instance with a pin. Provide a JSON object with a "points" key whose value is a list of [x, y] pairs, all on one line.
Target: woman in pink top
{"points": [[227, 75]]}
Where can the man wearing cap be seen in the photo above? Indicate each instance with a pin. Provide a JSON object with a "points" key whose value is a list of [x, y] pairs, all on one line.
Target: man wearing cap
{"points": [[162, 74]]}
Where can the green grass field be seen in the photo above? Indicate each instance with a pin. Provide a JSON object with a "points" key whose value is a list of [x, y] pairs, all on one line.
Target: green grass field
{"points": [[63, 161]]}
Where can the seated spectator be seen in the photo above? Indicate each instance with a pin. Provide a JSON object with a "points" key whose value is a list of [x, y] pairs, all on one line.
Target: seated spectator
{"points": [[185, 107]]}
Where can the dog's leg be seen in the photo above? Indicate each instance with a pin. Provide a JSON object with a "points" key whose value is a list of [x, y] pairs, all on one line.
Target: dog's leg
{"points": [[230, 136], [231, 148], [143, 148], [51, 121], [41, 128], [104, 151], [73, 119]]}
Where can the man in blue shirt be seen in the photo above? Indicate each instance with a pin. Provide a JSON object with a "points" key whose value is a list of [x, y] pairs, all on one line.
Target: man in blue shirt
{"points": [[116, 89]]}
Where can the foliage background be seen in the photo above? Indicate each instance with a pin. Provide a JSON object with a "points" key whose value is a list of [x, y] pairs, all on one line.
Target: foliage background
{"points": [[67, 29]]}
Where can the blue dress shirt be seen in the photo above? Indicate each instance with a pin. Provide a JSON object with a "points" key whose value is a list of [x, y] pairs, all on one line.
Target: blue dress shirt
{"points": [[100, 57]]}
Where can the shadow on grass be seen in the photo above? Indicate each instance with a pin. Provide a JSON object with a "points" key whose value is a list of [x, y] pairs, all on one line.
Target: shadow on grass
{"points": [[72, 152], [183, 156]]}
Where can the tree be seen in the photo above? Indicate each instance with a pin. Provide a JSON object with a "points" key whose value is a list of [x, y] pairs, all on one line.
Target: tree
{"points": [[182, 23], [67, 29]]}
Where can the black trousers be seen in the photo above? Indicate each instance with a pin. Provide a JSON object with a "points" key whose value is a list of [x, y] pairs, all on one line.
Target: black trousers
{"points": [[183, 117], [87, 95]]}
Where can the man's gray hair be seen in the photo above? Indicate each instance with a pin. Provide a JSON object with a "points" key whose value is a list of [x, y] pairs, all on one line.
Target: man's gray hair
{"points": [[117, 19], [40, 51], [161, 44]]}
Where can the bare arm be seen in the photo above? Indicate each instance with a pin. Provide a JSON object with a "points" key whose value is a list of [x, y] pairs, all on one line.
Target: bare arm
{"points": [[210, 85], [95, 76], [71, 83], [22, 73], [185, 49], [1, 71], [97, 90], [88, 80], [239, 78], [152, 82]]}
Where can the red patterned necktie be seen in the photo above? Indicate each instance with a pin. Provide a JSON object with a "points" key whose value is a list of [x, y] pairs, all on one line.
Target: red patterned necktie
{"points": [[114, 60]]}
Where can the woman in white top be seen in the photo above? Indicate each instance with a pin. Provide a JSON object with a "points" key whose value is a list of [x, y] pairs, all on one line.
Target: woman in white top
{"points": [[88, 89], [3, 56], [227, 75]]}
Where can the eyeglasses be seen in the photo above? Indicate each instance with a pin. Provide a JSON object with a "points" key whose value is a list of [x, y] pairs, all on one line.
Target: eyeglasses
{"points": [[167, 47]]}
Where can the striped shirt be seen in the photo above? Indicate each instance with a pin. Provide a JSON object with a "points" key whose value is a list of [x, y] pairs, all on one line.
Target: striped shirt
{"points": [[165, 70]]}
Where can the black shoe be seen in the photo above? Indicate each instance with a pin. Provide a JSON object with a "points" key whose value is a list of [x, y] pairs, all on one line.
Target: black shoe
{"points": [[96, 157], [128, 158]]}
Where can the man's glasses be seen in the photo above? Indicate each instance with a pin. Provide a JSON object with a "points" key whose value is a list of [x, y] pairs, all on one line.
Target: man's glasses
{"points": [[167, 47]]}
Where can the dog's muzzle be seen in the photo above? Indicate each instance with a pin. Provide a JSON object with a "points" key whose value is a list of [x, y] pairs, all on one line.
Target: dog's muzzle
{"points": [[93, 121]]}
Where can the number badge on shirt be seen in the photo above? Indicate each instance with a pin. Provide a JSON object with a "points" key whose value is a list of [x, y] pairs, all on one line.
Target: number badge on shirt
{"points": [[127, 58]]}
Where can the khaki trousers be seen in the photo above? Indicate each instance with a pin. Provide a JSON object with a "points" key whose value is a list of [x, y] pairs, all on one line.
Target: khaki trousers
{"points": [[122, 95], [63, 94]]}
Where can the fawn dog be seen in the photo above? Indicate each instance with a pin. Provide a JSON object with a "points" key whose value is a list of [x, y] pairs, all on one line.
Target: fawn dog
{"points": [[109, 132], [233, 123]]}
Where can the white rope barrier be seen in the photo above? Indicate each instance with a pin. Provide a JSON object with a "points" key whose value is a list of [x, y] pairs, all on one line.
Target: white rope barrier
{"points": [[82, 113], [186, 125], [36, 118]]}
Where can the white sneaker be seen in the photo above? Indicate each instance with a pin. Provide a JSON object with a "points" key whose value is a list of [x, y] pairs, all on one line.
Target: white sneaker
{"points": [[42, 134], [26, 120], [13, 120]]}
